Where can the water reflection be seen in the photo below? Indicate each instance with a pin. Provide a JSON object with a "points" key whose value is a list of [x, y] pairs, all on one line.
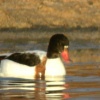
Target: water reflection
{"points": [[75, 88], [18, 89]]}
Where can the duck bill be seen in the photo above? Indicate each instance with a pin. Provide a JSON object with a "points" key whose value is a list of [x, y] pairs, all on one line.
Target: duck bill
{"points": [[65, 56]]}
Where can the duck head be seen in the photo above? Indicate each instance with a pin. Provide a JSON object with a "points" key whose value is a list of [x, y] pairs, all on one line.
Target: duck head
{"points": [[58, 47]]}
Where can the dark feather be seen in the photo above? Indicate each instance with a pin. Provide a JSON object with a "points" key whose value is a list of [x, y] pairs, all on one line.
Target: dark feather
{"points": [[30, 59]]}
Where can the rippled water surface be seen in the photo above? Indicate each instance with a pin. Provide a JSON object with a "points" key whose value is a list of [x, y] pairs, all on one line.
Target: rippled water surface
{"points": [[81, 83]]}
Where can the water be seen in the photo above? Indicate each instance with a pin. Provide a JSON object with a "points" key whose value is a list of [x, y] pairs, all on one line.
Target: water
{"points": [[82, 81], [80, 84], [12, 89]]}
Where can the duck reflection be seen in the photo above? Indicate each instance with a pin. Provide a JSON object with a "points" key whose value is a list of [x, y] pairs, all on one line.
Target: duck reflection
{"points": [[38, 90], [50, 90]]}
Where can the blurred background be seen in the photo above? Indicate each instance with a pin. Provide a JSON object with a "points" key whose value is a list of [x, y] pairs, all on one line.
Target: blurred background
{"points": [[28, 25]]}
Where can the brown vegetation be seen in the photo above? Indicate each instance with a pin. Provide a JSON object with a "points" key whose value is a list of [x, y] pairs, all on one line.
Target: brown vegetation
{"points": [[51, 13]]}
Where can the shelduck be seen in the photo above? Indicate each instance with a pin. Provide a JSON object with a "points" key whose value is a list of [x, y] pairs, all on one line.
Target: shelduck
{"points": [[36, 63]]}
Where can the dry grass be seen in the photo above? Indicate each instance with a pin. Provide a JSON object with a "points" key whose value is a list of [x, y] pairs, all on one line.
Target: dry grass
{"points": [[51, 13]]}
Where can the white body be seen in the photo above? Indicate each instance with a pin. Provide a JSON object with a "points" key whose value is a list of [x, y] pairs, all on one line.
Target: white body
{"points": [[54, 69], [13, 69]]}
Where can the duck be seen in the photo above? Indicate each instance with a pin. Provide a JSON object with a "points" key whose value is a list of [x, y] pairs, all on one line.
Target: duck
{"points": [[37, 63]]}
